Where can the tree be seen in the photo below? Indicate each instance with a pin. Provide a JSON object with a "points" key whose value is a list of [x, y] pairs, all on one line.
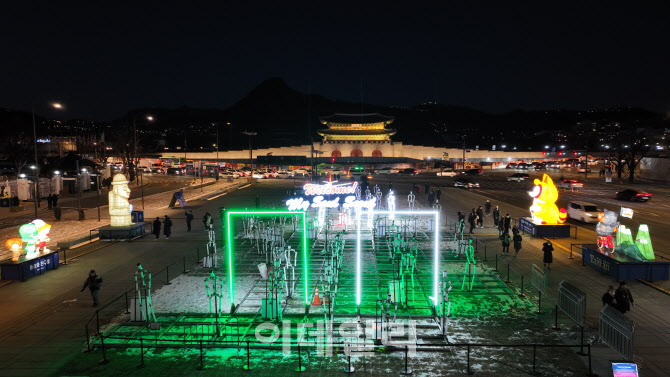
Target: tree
{"points": [[20, 150], [635, 151]]}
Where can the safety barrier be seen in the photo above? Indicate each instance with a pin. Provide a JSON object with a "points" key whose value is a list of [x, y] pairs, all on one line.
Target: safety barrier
{"points": [[617, 330], [508, 279], [538, 279], [572, 302]]}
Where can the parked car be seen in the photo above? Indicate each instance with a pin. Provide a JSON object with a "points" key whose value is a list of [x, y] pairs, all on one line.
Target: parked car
{"points": [[554, 164], [409, 171], [583, 169], [511, 165], [583, 211], [633, 195], [570, 184], [539, 166], [175, 171], [465, 183], [386, 171], [447, 173], [518, 177], [473, 172], [302, 172], [283, 174]]}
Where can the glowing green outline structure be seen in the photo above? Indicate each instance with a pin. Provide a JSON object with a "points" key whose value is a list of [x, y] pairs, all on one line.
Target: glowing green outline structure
{"points": [[231, 274], [436, 252]]}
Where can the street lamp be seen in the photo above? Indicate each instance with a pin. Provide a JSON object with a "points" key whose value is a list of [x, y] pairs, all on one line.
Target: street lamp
{"points": [[250, 134], [55, 105]]}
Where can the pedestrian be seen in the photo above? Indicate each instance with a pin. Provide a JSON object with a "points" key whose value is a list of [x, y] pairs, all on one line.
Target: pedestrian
{"points": [[501, 228], [157, 227], [167, 227], [517, 239], [189, 218], [49, 201], [548, 259], [438, 194], [431, 199], [427, 187], [508, 221], [623, 298], [487, 207], [57, 213], [54, 200], [505, 244], [496, 216], [414, 187], [608, 297], [258, 202], [471, 219], [460, 215], [93, 282], [480, 217], [207, 220]]}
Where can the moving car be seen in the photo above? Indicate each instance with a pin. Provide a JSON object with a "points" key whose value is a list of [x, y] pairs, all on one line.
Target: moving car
{"points": [[523, 166], [583, 169], [554, 164], [465, 183], [633, 195], [583, 211], [473, 172], [518, 177], [175, 171], [511, 165], [447, 173], [570, 184], [386, 171], [409, 171], [539, 166]]}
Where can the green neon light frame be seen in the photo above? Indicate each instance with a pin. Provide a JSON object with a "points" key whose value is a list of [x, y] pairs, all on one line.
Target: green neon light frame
{"points": [[231, 271]]}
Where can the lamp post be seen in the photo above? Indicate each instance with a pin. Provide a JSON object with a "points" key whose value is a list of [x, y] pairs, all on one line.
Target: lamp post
{"points": [[37, 165], [250, 134], [135, 158]]}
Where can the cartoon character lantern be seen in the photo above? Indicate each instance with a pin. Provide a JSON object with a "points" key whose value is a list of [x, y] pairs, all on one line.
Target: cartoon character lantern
{"points": [[119, 208], [28, 234], [607, 226], [14, 244], [43, 230], [544, 207]]}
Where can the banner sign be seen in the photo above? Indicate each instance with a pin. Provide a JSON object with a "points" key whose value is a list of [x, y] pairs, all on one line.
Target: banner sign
{"points": [[624, 370], [330, 189], [626, 212]]}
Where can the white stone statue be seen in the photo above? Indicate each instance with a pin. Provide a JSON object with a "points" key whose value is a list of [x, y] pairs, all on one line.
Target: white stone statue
{"points": [[119, 208]]}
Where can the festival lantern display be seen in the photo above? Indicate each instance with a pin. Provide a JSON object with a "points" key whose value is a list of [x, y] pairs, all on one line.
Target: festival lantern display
{"points": [[544, 210], [29, 235], [14, 244]]}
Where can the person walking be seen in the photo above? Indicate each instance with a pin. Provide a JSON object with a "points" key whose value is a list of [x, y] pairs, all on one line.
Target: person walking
{"points": [[157, 227], [427, 187], [508, 221], [431, 199], [501, 228], [608, 297], [480, 217], [517, 239], [471, 220], [54, 200], [438, 194], [487, 207], [189, 218], [496, 216], [623, 298], [93, 282], [207, 221], [505, 243], [548, 259], [167, 227], [49, 201]]}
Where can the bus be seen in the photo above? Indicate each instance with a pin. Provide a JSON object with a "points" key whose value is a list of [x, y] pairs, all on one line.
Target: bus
{"points": [[172, 162]]}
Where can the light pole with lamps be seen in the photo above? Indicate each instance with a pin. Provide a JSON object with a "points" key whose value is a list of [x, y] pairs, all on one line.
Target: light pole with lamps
{"points": [[37, 165], [250, 134]]}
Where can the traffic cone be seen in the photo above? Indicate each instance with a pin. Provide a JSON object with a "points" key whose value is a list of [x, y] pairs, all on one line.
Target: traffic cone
{"points": [[316, 301]]}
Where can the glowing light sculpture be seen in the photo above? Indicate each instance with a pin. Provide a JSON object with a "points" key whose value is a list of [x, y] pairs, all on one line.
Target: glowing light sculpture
{"points": [[14, 245], [29, 234], [230, 216], [119, 208], [643, 242], [544, 209]]}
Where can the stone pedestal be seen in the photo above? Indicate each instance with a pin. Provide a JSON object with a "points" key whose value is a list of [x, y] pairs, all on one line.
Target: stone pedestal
{"points": [[121, 233]]}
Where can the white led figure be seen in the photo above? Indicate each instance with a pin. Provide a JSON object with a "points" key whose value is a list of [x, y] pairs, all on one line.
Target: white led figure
{"points": [[410, 201], [143, 292], [390, 204], [119, 208], [210, 258], [358, 192], [378, 196], [216, 293], [290, 265], [444, 300], [368, 194], [470, 259]]}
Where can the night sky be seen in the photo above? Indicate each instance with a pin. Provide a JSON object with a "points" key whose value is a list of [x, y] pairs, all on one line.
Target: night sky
{"points": [[102, 61]]}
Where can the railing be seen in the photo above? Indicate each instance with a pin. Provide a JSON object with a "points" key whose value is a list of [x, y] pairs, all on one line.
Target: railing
{"points": [[509, 269], [572, 302], [616, 330], [538, 279]]}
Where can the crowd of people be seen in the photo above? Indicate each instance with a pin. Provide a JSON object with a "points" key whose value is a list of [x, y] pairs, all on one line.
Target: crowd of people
{"points": [[166, 224]]}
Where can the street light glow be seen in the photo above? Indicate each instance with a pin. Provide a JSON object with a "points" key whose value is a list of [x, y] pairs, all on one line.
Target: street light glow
{"points": [[57, 105], [150, 118]]}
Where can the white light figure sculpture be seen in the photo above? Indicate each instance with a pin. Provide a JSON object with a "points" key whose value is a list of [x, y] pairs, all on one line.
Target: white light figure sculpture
{"points": [[390, 204], [410, 201], [143, 292], [210, 259], [358, 192], [119, 208], [378, 195]]}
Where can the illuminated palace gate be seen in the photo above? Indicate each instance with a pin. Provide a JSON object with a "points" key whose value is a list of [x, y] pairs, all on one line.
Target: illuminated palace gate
{"points": [[378, 270]]}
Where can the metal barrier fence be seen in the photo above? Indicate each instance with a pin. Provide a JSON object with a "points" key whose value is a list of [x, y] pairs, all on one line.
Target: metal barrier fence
{"points": [[617, 330], [538, 279], [572, 302]]}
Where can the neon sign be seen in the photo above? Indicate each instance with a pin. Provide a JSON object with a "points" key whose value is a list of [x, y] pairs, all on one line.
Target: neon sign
{"points": [[330, 189], [301, 204]]}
